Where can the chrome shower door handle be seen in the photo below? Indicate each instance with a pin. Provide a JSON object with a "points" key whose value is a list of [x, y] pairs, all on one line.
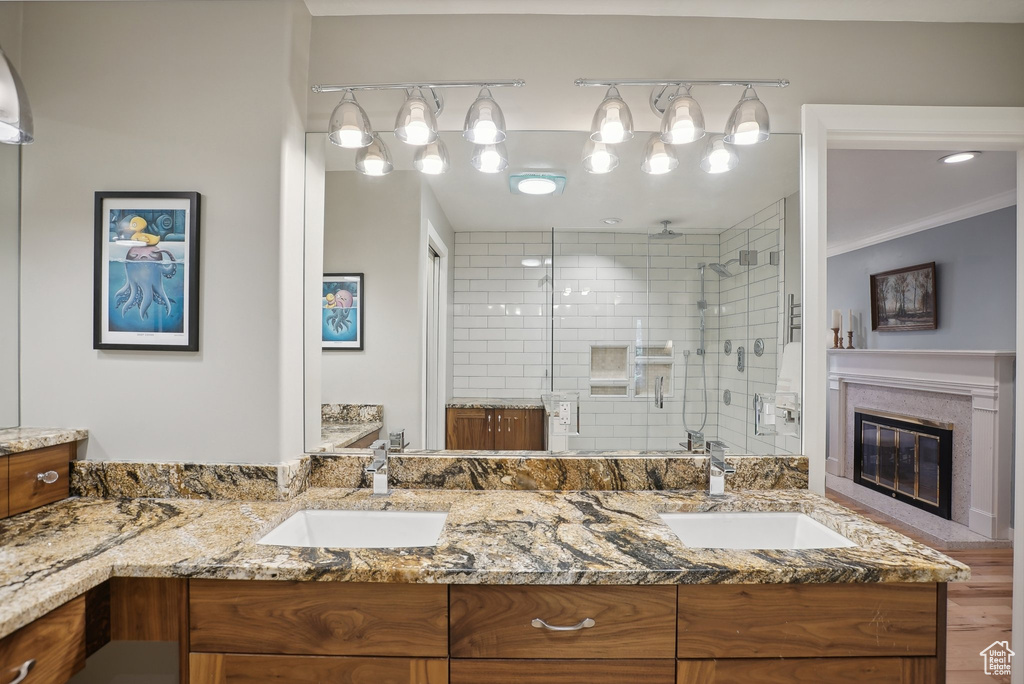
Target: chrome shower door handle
{"points": [[585, 623], [659, 392], [23, 671]]}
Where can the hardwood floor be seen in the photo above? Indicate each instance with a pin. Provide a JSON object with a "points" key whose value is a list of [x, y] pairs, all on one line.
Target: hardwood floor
{"points": [[978, 610]]}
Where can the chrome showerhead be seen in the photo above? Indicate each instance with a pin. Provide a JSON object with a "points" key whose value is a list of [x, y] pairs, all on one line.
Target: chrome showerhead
{"points": [[665, 233], [720, 269]]}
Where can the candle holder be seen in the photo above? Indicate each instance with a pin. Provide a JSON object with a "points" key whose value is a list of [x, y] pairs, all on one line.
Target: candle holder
{"points": [[849, 334], [837, 342]]}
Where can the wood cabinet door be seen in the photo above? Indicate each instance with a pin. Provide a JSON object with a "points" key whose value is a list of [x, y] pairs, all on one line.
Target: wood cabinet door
{"points": [[56, 642], [220, 668], [519, 429], [811, 671], [470, 428], [562, 672], [28, 491], [3, 487]]}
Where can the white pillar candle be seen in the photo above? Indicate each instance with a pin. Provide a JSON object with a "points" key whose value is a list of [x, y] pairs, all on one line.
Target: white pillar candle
{"points": [[837, 319], [849, 319]]}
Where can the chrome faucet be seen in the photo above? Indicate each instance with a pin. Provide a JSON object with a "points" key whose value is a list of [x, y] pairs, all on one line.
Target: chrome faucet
{"points": [[379, 467], [719, 468]]}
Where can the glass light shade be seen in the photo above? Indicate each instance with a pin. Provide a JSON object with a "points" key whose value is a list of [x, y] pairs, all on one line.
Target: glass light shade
{"points": [[659, 158], [613, 122], [683, 121], [485, 124], [350, 127], [15, 114], [748, 123], [599, 157], [718, 157], [374, 159], [416, 124], [490, 158], [432, 158]]}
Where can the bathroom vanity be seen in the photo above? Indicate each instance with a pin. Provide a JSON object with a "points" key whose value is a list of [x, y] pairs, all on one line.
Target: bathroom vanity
{"points": [[522, 586], [34, 467], [495, 425]]}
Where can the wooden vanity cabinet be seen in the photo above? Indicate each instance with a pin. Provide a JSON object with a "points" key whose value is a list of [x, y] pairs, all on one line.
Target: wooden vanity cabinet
{"points": [[488, 429], [31, 479], [54, 644], [4, 487]]}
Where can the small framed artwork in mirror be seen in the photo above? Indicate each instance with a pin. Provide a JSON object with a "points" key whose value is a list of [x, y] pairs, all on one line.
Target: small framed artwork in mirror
{"points": [[146, 271], [342, 307], [904, 299]]}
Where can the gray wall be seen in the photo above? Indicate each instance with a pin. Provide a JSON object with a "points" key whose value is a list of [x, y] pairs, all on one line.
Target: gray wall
{"points": [[975, 269]]}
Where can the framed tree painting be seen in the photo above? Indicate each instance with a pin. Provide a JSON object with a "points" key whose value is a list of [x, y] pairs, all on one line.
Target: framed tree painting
{"points": [[342, 307], [146, 271], [904, 299]]}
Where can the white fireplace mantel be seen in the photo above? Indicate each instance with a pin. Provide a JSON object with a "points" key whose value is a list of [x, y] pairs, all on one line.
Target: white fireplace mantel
{"points": [[984, 376]]}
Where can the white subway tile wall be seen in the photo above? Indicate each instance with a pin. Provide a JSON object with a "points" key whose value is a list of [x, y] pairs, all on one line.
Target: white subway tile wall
{"points": [[518, 319]]}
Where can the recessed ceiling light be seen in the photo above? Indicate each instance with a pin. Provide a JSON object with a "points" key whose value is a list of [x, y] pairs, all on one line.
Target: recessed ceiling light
{"points": [[611, 220], [958, 157], [536, 183]]}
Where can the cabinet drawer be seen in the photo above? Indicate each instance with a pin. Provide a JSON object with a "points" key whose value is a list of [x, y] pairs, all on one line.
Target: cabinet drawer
{"points": [[807, 620], [811, 671], [3, 487], [217, 668], [497, 621], [318, 618], [55, 641], [562, 671], [24, 469]]}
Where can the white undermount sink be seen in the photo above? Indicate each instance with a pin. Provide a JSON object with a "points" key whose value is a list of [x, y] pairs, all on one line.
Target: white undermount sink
{"points": [[750, 530], [358, 529]]}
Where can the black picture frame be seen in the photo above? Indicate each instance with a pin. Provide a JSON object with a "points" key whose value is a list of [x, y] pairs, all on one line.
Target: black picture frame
{"points": [[924, 315], [339, 330], [156, 237]]}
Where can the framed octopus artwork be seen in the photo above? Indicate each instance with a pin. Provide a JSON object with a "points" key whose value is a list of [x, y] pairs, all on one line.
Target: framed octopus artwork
{"points": [[342, 305], [146, 271]]}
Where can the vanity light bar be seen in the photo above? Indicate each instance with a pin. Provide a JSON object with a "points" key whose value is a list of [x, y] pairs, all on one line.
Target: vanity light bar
{"points": [[750, 83], [514, 83]]}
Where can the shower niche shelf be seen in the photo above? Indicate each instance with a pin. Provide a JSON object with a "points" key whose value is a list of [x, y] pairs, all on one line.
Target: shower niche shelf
{"points": [[609, 370], [652, 362]]}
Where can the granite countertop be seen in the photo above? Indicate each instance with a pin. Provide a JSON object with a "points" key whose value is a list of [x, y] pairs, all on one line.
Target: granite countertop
{"points": [[335, 436], [19, 439], [487, 403], [54, 553]]}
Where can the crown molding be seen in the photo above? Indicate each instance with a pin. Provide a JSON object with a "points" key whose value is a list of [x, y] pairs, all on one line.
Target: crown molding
{"points": [[965, 211]]}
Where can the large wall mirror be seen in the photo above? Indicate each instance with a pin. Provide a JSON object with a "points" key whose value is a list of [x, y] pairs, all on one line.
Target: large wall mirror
{"points": [[474, 293], [10, 183]]}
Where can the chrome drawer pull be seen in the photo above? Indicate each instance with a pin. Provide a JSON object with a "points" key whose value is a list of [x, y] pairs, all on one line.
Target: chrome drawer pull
{"points": [[584, 624], [49, 477], [24, 670]]}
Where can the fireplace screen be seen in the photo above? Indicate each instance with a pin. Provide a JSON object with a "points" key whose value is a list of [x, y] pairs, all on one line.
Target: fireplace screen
{"points": [[909, 458]]}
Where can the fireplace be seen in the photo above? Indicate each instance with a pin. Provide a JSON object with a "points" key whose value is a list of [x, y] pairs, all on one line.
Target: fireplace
{"points": [[910, 459]]}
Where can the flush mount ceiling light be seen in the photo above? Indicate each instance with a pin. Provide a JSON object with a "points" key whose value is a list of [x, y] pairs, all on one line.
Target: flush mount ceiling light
{"points": [[958, 157], [719, 156], [431, 159], [611, 220], [349, 127], [374, 159], [15, 114], [613, 122], [598, 157], [748, 123], [490, 158], [683, 121], [536, 183], [484, 121], [659, 158], [416, 123]]}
